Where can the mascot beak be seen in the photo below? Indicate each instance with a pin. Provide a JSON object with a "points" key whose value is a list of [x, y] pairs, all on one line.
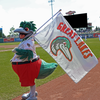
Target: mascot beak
{"points": [[21, 30]]}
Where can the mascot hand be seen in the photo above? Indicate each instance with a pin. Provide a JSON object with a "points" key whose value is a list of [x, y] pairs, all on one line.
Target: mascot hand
{"points": [[14, 50], [24, 53]]}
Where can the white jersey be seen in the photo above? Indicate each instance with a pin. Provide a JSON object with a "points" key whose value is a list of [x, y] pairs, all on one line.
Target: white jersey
{"points": [[27, 45]]}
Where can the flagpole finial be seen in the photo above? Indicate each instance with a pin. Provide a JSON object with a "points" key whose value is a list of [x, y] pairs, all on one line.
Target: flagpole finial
{"points": [[60, 10]]}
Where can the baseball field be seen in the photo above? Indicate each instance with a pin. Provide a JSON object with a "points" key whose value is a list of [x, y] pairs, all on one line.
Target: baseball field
{"points": [[9, 83]]}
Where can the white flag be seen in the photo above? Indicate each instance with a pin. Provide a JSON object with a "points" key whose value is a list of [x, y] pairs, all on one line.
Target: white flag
{"points": [[67, 48]]}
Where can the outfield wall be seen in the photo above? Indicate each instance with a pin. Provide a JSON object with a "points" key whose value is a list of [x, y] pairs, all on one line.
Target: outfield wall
{"points": [[90, 35], [4, 40], [1, 40]]}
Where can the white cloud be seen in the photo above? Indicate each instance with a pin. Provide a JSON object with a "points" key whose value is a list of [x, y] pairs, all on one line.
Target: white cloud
{"points": [[14, 16], [39, 11], [2, 14], [41, 2]]}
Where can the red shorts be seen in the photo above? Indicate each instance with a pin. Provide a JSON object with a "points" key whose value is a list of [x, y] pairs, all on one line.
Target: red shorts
{"points": [[27, 72]]}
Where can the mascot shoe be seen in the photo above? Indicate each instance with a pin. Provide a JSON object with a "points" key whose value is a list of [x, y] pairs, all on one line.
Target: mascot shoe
{"points": [[26, 95]]}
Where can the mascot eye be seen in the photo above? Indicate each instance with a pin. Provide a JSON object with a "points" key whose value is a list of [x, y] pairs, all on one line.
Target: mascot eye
{"points": [[26, 29]]}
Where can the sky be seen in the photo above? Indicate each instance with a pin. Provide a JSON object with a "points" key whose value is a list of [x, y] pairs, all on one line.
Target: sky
{"points": [[12, 12]]}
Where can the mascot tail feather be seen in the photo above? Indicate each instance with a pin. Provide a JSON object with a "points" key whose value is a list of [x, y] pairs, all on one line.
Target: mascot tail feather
{"points": [[46, 69]]}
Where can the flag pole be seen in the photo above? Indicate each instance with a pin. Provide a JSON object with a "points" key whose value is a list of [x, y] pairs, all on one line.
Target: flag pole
{"points": [[43, 25], [47, 21]]}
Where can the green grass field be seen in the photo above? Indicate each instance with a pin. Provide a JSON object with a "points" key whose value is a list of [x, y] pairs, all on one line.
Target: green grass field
{"points": [[9, 82], [10, 43], [94, 45]]}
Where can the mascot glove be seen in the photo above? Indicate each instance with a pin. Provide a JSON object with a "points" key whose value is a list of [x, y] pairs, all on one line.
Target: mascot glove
{"points": [[24, 53], [14, 50]]}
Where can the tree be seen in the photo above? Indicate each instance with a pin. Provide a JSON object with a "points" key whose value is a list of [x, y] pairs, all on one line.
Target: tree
{"points": [[12, 31], [3, 35], [1, 32], [0, 35], [97, 28]]}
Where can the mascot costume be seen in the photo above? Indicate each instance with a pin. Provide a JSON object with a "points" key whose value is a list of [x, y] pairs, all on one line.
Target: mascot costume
{"points": [[26, 64]]}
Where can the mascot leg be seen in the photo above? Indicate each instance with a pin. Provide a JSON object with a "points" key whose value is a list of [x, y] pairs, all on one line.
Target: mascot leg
{"points": [[31, 93]]}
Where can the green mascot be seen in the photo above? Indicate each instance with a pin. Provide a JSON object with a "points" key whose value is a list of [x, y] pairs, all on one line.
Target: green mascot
{"points": [[26, 64]]}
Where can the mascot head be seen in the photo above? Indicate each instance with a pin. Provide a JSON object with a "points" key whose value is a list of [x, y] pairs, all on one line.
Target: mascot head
{"points": [[26, 28]]}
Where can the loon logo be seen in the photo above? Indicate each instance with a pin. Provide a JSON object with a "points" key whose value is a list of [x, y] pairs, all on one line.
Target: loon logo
{"points": [[63, 44]]}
